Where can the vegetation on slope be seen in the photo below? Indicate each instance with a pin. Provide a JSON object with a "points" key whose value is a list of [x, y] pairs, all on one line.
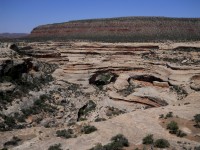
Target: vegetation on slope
{"points": [[125, 29]]}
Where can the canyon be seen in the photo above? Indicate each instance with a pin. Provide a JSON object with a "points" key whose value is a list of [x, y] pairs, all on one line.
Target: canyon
{"points": [[120, 88]]}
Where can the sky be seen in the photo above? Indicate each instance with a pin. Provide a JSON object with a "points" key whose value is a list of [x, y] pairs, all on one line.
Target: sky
{"points": [[21, 16]]}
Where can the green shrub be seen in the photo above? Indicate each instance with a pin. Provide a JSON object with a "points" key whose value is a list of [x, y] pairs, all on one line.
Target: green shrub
{"points": [[113, 146], [197, 148], [88, 129], [161, 143], [65, 133], [161, 116], [83, 111], [114, 111], [120, 138], [98, 147], [197, 120], [148, 139], [117, 143], [172, 127], [55, 147], [180, 133], [82, 119], [180, 91], [90, 106], [99, 119], [10, 121], [169, 115], [13, 142], [38, 107], [44, 97]]}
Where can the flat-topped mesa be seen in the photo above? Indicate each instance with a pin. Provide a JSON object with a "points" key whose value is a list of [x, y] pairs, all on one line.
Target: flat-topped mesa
{"points": [[128, 28]]}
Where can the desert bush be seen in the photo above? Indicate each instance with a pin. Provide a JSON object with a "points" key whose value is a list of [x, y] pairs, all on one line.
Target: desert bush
{"points": [[161, 143], [9, 123], [120, 138], [83, 111], [90, 107], [99, 119], [169, 115], [98, 146], [197, 148], [114, 111], [117, 143], [161, 116], [38, 107], [148, 139], [179, 90], [65, 133], [13, 142], [82, 119], [180, 133], [88, 129], [172, 127], [197, 120], [128, 90], [55, 147], [44, 97]]}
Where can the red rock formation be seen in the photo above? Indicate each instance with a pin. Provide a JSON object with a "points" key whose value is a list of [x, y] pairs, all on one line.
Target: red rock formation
{"points": [[132, 27]]}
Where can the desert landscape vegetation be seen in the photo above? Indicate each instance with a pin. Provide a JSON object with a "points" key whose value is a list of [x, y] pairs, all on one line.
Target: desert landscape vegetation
{"points": [[130, 83]]}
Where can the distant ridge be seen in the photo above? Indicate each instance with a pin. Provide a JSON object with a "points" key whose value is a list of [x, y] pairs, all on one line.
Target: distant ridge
{"points": [[123, 28], [13, 35]]}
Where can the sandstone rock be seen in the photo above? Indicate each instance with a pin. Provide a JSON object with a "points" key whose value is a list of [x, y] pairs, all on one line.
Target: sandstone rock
{"points": [[59, 115], [122, 82], [195, 83], [184, 61], [158, 95], [70, 90], [161, 84], [7, 87], [46, 121], [195, 86], [29, 119]]}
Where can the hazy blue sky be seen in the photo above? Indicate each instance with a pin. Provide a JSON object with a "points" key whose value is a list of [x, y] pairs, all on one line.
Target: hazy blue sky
{"points": [[24, 15]]}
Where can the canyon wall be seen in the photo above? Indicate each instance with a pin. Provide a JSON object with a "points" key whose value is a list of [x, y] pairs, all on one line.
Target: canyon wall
{"points": [[127, 28]]}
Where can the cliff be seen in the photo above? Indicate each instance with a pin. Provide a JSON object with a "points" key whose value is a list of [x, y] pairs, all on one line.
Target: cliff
{"points": [[127, 28]]}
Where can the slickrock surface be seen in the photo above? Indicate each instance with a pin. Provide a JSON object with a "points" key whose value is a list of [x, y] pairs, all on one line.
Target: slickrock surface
{"points": [[49, 86]]}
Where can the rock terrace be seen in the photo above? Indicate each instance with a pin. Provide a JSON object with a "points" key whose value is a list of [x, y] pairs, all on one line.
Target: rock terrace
{"points": [[62, 85]]}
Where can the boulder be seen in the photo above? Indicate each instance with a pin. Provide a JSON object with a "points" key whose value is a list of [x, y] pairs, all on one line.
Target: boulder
{"points": [[195, 83], [122, 82], [6, 87]]}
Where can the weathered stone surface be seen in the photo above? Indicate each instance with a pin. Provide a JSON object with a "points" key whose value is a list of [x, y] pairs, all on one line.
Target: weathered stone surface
{"points": [[6, 87], [122, 82], [161, 84], [195, 83], [144, 78]]}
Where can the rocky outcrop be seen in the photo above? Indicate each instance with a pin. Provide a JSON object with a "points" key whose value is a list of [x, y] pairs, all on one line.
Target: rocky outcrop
{"points": [[117, 87], [29, 51], [127, 29]]}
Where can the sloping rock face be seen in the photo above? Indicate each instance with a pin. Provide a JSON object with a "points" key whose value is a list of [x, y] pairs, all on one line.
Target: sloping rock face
{"points": [[129, 29], [125, 85]]}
